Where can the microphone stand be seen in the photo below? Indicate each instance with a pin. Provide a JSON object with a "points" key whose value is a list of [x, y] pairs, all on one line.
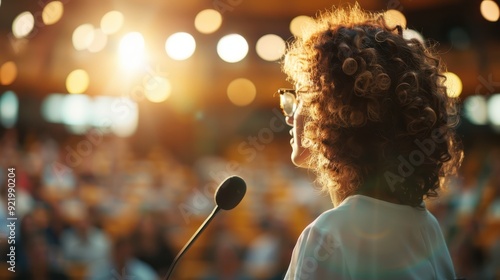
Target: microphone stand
{"points": [[191, 241]]}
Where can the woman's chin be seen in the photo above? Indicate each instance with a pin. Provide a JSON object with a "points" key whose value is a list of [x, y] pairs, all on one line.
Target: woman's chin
{"points": [[300, 160]]}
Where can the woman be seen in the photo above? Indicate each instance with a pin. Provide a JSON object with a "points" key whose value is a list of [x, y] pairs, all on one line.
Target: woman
{"points": [[371, 118]]}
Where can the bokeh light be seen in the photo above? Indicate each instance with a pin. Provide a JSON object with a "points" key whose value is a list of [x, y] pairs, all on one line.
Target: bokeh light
{"points": [[52, 12], [299, 24], [77, 81], [208, 21], [241, 92], [9, 108], [102, 112], [76, 110], [232, 48], [79, 112], [112, 22], [23, 24], [409, 34], [453, 83], [270, 47], [51, 108], [8, 73], [99, 41], [489, 10], [393, 18], [157, 89], [180, 46], [494, 109], [476, 109], [132, 50], [83, 36], [124, 124]]}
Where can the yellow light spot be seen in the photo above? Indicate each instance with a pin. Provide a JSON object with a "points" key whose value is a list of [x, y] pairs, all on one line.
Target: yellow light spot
{"points": [[453, 84], [99, 41], [489, 10], [241, 92], [131, 50], [232, 48], [157, 89], [299, 24], [23, 24], [208, 21], [83, 36], [180, 46], [112, 22], [77, 81], [270, 47], [394, 18], [52, 12], [8, 73]]}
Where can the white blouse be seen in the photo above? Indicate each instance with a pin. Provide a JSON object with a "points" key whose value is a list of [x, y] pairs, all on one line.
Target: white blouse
{"points": [[367, 238]]}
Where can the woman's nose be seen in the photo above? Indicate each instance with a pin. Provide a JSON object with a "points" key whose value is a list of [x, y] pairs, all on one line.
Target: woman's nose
{"points": [[289, 120]]}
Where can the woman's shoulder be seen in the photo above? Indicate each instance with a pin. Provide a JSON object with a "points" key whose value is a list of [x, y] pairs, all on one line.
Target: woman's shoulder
{"points": [[359, 209]]}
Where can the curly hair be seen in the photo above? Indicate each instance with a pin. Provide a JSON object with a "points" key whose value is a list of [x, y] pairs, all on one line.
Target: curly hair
{"points": [[376, 110]]}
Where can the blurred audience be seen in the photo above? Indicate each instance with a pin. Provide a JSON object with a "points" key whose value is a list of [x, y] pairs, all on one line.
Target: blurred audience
{"points": [[83, 243], [224, 254], [39, 264], [153, 245], [122, 264], [112, 214]]}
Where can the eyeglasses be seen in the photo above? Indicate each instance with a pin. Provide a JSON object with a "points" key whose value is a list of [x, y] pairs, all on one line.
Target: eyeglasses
{"points": [[288, 101]]}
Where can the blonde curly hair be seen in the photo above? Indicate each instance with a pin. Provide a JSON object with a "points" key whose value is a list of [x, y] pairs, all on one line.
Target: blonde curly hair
{"points": [[376, 112]]}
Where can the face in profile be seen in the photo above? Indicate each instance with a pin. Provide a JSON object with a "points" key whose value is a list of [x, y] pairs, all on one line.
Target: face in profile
{"points": [[300, 152]]}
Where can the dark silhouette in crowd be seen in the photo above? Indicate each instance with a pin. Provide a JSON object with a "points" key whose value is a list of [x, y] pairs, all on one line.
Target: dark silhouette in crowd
{"points": [[39, 264]]}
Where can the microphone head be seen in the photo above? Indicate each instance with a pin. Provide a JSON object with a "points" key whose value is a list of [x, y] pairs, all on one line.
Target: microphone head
{"points": [[230, 193]]}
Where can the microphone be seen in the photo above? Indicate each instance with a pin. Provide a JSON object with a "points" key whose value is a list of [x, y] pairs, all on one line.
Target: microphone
{"points": [[227, 196]]}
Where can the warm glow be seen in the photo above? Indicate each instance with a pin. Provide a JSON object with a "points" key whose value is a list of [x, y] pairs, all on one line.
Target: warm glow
{"points": [[99, 41], [112, 22], [394, 18], [299, 24], [132, 50], [270, 47], [9, 108], [241, 92], [23, 24], [208, 21], [8, 73], [476, 109], [180, 46], [232, 48], [409, 34], [494, 109], [453, 84], [157, 89], [490, 10], [77, 81], [52, 12], [83, 36]]}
